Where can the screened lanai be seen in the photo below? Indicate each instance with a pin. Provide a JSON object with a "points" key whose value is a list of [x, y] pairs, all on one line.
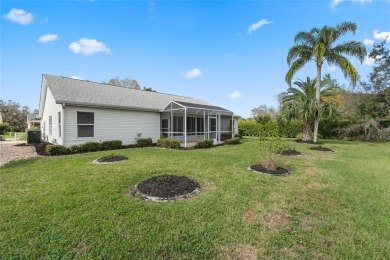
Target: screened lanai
{"points": [[190, 123]]}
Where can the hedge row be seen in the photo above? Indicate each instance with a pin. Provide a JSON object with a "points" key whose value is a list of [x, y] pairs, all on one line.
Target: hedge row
{"points": [[56, 149]]}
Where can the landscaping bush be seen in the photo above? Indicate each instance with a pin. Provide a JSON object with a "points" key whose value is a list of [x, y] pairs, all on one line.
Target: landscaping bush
{"points": [[111, 145], [3, 128], [249, 128], [74, 149], [225, 137], [56, 149], [41, 148], [234, 140], [367, 131], [144, 142], [90, 147], [290, 129], [168, 143], [238, 135], [271, 144], [207, 143]]}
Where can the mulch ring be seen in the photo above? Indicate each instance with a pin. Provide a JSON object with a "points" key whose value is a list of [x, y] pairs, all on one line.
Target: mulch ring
{"points": [[165, 188], [321, 148], [290, 152], [110, 159], [307, 142], [258, 168]]}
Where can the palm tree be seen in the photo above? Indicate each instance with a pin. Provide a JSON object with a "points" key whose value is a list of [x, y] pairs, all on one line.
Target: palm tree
{"points": [[300, 103], [319, 45]]}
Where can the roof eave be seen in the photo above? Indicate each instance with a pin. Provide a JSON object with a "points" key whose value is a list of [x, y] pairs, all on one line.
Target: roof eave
{"points": [[106, 106]]}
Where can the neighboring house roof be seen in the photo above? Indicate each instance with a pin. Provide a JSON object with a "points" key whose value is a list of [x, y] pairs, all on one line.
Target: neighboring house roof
{"points": [[87, 93], [32, 117]]}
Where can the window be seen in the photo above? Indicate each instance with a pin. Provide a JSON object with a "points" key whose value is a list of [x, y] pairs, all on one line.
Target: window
{"points": [[199, 125], [50, 125], [59, 124], [191, 125], [178, 125], [85, 124], [213, 124], [164, 127]]}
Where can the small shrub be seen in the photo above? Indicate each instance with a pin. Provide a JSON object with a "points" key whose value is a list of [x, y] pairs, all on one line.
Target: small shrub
{"points": [[224, 137], [238, 135], [144, 142], [111, 145], [271, 144], [234, 140], [3, 128], [207, 143], [168, 143], [74, 149], [41, 148], [56, 149], [90, 147]]}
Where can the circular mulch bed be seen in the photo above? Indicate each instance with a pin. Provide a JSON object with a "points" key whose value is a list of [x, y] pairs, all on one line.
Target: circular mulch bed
{"points": [[258, 168], [166, 188], [110, 159], [307, 142], [320, 148], [290, 152]]}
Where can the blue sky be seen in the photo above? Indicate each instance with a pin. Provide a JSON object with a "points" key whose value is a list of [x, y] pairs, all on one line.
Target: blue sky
{"points": [[229, 53]]}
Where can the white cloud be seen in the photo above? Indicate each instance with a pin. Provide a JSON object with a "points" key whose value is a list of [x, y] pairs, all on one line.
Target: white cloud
{"points": [[334, 3], [19, 16], [257, 25], [235, 95], [46, 20], [382, 35], [368, 42], [87, 47], [332, 68], [369, 61], [75, 77], [194, 73], [48, 38]]}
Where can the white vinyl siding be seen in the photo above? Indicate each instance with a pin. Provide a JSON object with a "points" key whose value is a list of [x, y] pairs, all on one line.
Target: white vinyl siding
{"points": [[112, 124], [51, 131]]}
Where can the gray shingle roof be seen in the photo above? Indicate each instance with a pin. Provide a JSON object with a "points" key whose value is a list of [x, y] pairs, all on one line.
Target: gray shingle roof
{"points": [[82, 92], [32, 117]]}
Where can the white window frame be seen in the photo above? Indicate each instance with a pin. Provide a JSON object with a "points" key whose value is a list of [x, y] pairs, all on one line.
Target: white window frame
{"points": [[50, 125], [59, 124], [77, 124]]}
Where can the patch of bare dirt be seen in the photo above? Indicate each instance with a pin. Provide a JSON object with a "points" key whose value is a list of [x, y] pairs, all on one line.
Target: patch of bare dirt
{"points": [[13, 150]]}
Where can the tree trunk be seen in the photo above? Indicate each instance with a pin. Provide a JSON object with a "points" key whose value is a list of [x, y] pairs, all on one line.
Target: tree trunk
{"points": [[318, 87], [306, 135]]}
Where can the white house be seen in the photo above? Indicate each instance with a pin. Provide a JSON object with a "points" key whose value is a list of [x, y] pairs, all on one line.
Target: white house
{"points": [[75, 111]]}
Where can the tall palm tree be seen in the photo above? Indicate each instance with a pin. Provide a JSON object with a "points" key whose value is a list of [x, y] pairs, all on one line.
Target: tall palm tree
{"points": [[300, 103], [319, 45]]}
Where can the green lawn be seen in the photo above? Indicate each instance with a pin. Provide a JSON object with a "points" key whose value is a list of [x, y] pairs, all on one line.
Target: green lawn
{"points": [[21, 136], [334, 205]]}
